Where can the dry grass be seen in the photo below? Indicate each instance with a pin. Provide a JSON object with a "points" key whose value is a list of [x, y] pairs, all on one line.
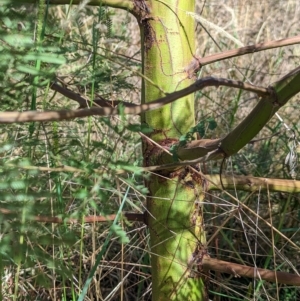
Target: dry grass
{"points": [[244, 238], [124, 272]]}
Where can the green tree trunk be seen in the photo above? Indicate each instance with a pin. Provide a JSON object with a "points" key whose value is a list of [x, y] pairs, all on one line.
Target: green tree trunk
{"points": [[168, 50]]}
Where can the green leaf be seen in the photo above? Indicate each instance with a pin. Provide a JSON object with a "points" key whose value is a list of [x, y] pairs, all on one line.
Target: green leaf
{"points": [[144, 128], [18, 184], [212, 124], [75, 142], [17, 40], [173, 151], [44, 57], [120, 233], [200, 128], [28, 69], [81, 194], [126, 166]]}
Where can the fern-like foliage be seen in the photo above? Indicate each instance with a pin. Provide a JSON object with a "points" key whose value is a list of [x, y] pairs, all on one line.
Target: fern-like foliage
{"points": [[59, 170]]}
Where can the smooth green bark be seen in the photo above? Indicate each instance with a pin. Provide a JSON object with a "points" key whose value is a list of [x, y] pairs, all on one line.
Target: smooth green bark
{"points": [[173, 241], [168, 49]]}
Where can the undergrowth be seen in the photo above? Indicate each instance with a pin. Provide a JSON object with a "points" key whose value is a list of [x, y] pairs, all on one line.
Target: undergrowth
{"points": [[69, 170]]}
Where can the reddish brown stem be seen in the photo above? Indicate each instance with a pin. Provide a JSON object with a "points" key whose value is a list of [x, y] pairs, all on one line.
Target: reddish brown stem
{"points": [[239, 270], [248, 49], [135, 217]]}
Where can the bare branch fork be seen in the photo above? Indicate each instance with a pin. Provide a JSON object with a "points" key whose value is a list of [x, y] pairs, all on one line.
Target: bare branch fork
{"points": [[272, 98]]}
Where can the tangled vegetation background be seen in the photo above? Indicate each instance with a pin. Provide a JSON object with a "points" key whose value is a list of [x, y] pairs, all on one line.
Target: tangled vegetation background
{"points": [[53, 175]]}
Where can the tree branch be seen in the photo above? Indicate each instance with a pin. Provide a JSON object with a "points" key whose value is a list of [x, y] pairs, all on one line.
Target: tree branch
{"points": [[239, 270], [86, 103], [29, 116], [272, 99], [122, 4], [134, 217], [251, 184], [244, 50], [283, 90]]}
